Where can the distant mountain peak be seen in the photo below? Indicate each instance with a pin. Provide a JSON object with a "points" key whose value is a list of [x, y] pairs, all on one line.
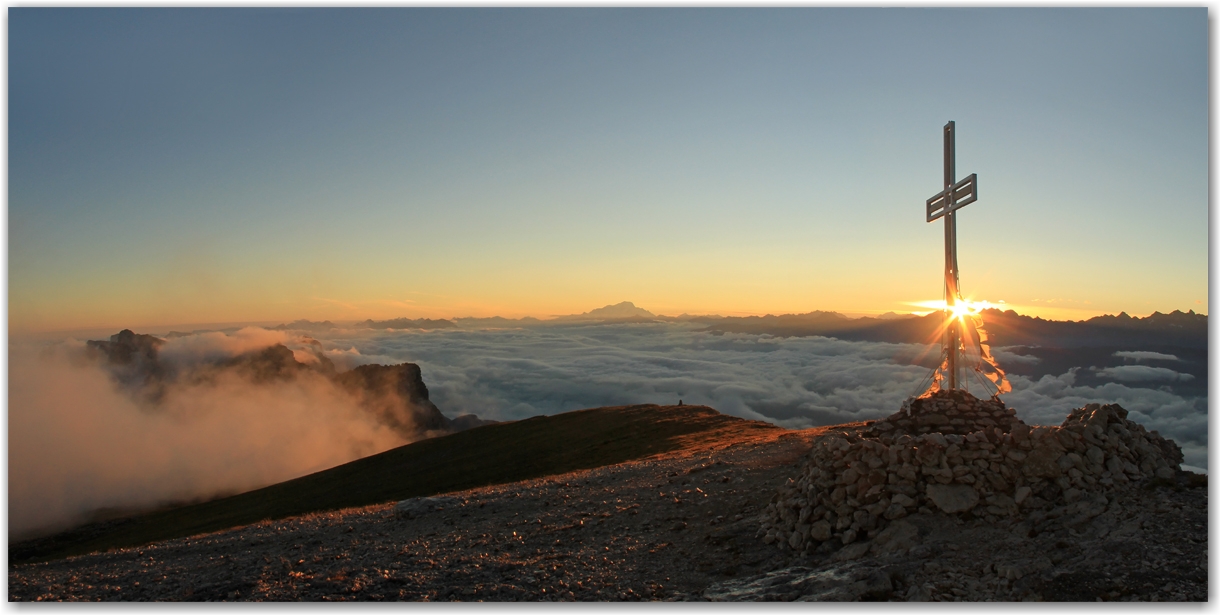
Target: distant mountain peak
{"points": [[618, 311]]}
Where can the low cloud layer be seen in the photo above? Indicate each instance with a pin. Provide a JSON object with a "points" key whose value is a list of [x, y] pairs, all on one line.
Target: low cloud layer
{"points": [[510, 374], [1142, 373], [1007, 357], [513, 374], [1145, 355]]}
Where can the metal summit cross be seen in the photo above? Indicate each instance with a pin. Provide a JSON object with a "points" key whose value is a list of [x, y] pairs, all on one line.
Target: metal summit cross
{"points": [[956, 195]]}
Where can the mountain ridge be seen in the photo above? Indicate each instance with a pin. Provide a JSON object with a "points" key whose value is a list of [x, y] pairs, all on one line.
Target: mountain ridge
{"points": [[482, 455], [786, 324]]}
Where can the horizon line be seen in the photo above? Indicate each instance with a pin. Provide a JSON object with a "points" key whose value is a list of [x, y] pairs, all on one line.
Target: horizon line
{"points": [[854, 315]]}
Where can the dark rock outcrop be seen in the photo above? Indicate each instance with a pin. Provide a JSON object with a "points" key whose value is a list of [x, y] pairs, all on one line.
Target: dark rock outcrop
{"points": [[128, 348], [273, 363], [133, 362], [396, 394]]}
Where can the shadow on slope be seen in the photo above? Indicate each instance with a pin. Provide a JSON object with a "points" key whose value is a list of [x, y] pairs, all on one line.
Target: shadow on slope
{"points": [[487, 455]]}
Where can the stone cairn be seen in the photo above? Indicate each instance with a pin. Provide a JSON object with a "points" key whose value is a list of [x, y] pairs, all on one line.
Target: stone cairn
{"points": [[954, 453]]}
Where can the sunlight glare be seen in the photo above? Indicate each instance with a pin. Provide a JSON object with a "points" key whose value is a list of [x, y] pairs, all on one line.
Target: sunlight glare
{"points": [[960, 309]]}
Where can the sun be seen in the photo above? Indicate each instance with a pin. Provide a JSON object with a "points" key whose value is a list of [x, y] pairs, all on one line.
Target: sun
{"points": [[960, 310]]}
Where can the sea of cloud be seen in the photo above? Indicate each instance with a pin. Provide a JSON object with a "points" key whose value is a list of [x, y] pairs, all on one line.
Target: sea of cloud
{"points": [[509, 374], [79, 441]]}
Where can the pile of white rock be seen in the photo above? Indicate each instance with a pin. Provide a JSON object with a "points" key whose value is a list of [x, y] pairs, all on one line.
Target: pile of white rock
{"points": [[994, 467], [946, 412]]}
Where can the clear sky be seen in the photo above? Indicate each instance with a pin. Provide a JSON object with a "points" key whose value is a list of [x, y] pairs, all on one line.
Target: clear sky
{"points": [[212, 165]]}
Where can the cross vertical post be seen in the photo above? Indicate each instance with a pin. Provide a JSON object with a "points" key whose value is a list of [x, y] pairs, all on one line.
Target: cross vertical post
{"points": [[951, 331], [956, 195]]}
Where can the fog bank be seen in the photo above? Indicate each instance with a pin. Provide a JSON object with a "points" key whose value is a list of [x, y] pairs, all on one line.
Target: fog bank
{"points": [[78, 443]]}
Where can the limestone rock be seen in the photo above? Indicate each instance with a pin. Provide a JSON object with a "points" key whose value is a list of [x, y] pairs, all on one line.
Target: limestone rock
{"points": [[1022, 493], [981, 459], [852, 551], [847, 582], [953, 498], [820, 531], [898, 538], [396, 394], [1042, 462]]}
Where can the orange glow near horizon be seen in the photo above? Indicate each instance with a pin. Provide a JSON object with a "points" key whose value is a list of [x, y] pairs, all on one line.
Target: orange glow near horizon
{"points": [[341, 312], [961, 308]]}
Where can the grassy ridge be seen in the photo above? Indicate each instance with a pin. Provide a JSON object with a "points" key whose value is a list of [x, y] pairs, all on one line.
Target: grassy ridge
{"points": [[487, 455]]}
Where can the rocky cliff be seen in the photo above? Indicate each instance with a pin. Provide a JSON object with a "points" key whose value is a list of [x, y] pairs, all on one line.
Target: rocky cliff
{"points": [[395, 394], [133, 362]]}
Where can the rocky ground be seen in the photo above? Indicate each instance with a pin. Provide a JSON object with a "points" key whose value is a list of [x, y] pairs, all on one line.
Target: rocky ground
{"points": [[682, 526], [1145, 544]]}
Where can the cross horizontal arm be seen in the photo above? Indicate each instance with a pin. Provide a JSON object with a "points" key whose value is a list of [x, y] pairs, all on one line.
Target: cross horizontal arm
{"points": [[961, 194]]}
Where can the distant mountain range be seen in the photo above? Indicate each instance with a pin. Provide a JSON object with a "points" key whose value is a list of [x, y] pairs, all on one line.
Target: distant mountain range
{"points": [[408, 323], [305, 325], [618, 313], [393, 323], [1006, 328], [497, 322]]}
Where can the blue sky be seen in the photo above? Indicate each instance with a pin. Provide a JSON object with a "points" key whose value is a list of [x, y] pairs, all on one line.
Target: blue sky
{"points": [[207, 165]]}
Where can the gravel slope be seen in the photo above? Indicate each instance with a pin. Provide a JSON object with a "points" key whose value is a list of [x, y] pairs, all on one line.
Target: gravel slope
{"points": [[654, 529], [679, 526]]}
